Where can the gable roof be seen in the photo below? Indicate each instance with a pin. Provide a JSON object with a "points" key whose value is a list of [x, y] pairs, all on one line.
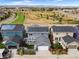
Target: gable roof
{"points": [[14, 27], [78, 27], [38, 29], [42, 40], [63, 28], [68, 39]]}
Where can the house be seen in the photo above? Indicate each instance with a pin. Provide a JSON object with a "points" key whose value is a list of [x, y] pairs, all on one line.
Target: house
{"points": [[12, 33], [70, 42], [76, 33], [61, 31], [38, 35]]}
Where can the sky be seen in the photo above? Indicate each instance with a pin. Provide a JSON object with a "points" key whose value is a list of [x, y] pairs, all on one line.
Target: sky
{"points": [[41, 2]]}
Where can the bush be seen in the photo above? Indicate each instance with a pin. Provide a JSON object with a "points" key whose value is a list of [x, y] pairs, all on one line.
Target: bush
{"points": [[30, 46], [2, 46], [22, 51], [57, 45], [29, 52]]}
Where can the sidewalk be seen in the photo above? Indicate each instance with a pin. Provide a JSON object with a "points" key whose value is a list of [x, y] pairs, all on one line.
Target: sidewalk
{"points": [[45, 55]]}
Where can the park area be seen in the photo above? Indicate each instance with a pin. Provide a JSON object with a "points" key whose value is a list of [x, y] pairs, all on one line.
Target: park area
{"points": [[19, 18]]}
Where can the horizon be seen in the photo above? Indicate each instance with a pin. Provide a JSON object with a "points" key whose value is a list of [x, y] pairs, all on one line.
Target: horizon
{"points": [[40, 2]]}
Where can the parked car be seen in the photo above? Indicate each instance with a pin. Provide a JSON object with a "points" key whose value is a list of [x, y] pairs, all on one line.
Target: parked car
{"points": [[6, 53]]}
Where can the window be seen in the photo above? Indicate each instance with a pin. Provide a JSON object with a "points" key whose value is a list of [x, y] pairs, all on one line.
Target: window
{"points": [[42, 33], [56, 33], [59, 38], [66, 33], [56, 38], [30, 34]]}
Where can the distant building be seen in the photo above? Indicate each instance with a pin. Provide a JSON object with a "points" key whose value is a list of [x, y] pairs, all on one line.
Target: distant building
{"points": [[38, 36], [61, 31], [12, 34]]}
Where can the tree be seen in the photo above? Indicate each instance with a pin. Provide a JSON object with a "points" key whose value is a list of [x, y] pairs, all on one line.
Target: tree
{"points": [[1, 39], [2, 46], [60, 20], [57, 45]]}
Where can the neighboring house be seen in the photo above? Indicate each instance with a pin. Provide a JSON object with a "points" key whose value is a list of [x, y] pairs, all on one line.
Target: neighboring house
{"points": [[76, 33], [12, 33], [38, 36], [61, 31], [70, 42], [5, 53]]}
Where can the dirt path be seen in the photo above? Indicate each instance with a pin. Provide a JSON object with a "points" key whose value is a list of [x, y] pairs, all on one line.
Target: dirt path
{"points": [[8, 20]]}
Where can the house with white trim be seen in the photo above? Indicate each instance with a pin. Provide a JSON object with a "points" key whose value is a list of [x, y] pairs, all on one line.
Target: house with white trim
{"points": [[64, 35], [61, 31], [38, 35]]}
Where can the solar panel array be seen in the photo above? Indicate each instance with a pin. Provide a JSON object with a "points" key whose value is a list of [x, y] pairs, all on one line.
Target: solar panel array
{"points": [[38, 29], [12, 27], [63, 29]]}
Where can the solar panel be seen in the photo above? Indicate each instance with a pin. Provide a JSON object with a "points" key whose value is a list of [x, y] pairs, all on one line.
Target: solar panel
{"points": [[8, 27], [63, 29], [18, 27], [38, 29]]}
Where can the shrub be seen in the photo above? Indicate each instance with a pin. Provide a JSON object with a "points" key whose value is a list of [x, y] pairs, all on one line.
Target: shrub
{"points": [[2, 46], [22, 51], [57, 45], [29, 52]]}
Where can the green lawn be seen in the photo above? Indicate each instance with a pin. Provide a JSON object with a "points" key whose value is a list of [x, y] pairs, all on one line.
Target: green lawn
{"points": [[20, 19]]}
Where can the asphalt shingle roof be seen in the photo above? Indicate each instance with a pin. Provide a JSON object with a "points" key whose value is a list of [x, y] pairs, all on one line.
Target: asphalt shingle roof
{"points": [[14, 27], [38, 29], [63, 29], [68, 39], [43, 41], [78, 27]]}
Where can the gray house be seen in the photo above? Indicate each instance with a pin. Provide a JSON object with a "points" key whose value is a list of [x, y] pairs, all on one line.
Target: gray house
{"points": [[38, 36]]}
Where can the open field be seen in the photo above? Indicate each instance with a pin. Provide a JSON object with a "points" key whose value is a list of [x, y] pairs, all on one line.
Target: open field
{"points": [[49, 17], [44, 17], [35, 18]]}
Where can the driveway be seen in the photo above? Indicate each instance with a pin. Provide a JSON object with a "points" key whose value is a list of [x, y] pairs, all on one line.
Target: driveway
{"points": [[73, 52]]}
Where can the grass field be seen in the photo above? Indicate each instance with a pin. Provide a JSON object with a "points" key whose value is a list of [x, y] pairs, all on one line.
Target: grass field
{"points": [[20, 19]]}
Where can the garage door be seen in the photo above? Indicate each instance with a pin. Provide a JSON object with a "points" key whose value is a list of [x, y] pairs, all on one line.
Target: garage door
{"points": [[43, 47]]}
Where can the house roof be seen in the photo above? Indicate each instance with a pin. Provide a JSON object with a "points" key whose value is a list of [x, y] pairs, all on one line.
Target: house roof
{"points": [[15, 27], [68, 39], [63, 28], [38, 29], [78, 27], [43, 41]]}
